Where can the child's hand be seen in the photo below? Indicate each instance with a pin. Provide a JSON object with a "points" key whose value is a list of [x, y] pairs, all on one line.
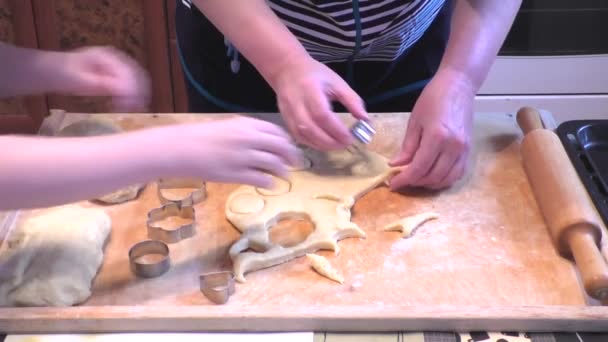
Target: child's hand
{"points": [[241, 150], [105, 71]]}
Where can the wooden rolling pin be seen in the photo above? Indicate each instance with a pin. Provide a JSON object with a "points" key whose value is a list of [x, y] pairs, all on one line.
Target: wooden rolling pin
{"points": [[573, 221]]}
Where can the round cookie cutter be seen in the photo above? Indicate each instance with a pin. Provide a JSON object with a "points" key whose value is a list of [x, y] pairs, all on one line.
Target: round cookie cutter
{"points": [[149, 269], [363, 131], [196, 196]]}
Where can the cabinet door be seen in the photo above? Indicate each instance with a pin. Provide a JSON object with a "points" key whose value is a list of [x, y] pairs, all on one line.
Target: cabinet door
{"points": [[137, 27], [19, 114], [180, 96]]}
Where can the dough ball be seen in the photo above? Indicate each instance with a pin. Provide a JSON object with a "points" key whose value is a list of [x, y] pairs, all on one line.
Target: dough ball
{"points": [[52, 256]]}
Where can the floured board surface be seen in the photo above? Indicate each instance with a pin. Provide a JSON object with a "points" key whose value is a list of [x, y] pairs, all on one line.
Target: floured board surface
{"points": [[486, 263]]}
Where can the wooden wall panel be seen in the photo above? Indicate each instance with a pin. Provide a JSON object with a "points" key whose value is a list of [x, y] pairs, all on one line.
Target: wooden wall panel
{"points": [[21, 114], [7, 34]]}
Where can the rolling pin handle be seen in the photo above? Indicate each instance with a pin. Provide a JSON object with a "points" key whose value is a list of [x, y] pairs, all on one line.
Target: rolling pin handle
{"points": [[529, 119], [590, 261]]}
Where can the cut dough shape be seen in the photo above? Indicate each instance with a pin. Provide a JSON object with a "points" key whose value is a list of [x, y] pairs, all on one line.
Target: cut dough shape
{"points": [[323, 194], [408, 224], [95, 127], [280, 187], [51, 257], [323, 267], [247, 204]]}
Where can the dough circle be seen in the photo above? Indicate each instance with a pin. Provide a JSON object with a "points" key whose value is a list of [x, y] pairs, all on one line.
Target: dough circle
{"points": [[281, 186], [247, 204]]}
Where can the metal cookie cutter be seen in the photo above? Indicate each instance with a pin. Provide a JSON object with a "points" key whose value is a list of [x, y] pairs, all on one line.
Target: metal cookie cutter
{"points": [[149, 269], [172, 209], [217, 286], [196, 196], [363, 132]]}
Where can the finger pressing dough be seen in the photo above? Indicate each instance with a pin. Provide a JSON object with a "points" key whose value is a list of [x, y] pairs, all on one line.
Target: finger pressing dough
{"points": [[51, 257], [94, 127], [408, 224], [323, 194], [323, 267]]}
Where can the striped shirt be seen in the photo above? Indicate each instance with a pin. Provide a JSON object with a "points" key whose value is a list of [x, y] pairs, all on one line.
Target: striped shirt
{"points": [[356, 30]]}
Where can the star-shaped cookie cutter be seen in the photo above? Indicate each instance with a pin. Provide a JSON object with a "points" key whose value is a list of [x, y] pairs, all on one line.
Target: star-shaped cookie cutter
{"points": [[217, 286], [196, 196], [172, 209]]}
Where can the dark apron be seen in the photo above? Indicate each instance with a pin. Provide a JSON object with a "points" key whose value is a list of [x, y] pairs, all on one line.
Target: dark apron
{"points": [[209, 66]]}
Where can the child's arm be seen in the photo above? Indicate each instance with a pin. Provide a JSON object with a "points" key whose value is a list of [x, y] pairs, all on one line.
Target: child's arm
{"points": [[23, 71], [97, 71], [42, 172]]}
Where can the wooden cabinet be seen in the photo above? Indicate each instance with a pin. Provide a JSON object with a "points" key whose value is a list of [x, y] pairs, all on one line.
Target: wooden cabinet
{"points": [[142, 28], [22, 114]]}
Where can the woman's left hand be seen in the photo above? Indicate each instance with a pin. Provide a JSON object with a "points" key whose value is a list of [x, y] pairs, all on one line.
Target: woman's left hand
{"points": [[438, 137]]}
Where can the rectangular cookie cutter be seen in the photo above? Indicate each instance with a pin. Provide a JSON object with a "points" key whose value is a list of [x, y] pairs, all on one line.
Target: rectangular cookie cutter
{"points": [[172, 209], [196, 196], [217, 286]]}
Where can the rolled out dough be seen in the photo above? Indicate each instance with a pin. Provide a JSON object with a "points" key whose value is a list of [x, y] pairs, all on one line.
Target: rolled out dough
{"points": [[51, 257], [324, 193], [323, 267], [408, 224], [94, 127]]}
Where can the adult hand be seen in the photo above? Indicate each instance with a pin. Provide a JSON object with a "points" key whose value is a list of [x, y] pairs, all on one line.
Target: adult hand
{"points": [[305, 90], [105, 71], [438, 136], [242, 150]]}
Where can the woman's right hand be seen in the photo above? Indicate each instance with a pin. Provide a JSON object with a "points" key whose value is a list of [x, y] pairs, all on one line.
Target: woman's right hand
{"points": [[305, 89], [241, 150]]}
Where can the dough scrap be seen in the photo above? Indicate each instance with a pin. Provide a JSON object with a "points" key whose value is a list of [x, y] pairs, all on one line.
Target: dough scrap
{"points": [[408, 224], [122, 195], [323, 194], [323, 267], [51, 257], [95, 127]]}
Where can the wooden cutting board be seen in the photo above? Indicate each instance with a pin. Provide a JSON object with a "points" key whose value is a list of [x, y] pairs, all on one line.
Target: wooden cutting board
{"points": [[486, 264]]}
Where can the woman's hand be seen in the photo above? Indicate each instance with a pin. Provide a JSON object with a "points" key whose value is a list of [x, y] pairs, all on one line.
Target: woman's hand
{"points": [[241, 150], [438, 137], [104, 71], [305, 90]]}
